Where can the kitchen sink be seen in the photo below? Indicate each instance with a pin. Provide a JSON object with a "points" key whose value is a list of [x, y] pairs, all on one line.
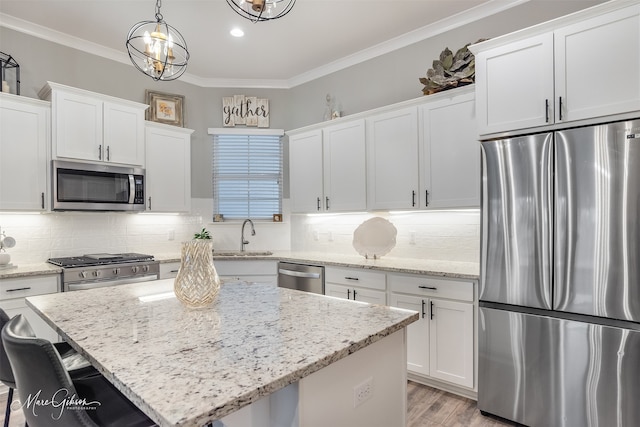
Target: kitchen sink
{"points": [[242, 254]]}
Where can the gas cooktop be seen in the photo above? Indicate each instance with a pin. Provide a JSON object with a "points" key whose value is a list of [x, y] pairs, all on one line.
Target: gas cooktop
{"points": [[99, 259]]}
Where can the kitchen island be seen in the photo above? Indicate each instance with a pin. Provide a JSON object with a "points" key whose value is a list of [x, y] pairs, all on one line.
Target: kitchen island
{"points": [[258, 353]]}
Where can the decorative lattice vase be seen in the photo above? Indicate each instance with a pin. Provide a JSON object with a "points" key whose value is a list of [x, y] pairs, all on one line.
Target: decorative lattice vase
{"points": [[197, 282]]}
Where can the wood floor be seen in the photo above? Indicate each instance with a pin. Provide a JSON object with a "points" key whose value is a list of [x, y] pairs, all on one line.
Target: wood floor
{"points": [[427, 407]]}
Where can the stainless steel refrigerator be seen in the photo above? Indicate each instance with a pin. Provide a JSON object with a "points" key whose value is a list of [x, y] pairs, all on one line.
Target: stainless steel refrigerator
{"points": [[559, 318]]}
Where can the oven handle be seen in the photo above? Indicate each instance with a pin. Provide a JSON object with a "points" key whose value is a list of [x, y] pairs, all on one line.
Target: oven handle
{"points": [[299, 274], [92, 285]]}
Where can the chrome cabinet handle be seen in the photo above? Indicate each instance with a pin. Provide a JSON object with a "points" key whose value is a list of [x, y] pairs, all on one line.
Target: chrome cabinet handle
{"points": [[433, 288]]}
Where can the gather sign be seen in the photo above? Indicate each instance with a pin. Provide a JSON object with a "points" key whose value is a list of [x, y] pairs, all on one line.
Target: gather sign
{"points": [[245, 110]]}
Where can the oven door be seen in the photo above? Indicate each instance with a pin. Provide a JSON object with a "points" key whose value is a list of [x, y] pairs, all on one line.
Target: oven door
{"points": [[105, 283], [91, 187]]}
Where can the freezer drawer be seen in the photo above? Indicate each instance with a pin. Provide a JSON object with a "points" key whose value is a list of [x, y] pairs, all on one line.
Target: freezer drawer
{"points": [[543, 371]]}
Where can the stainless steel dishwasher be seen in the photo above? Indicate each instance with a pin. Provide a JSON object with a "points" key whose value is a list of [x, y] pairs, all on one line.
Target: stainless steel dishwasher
{"points": [[302, 277]]}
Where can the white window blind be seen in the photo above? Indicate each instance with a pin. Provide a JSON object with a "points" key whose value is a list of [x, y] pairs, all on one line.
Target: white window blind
{"points": [[247, 176]]}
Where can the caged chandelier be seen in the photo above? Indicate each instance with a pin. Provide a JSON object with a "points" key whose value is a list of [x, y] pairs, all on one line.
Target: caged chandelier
{"points": [[261, 10], [157, 49]]}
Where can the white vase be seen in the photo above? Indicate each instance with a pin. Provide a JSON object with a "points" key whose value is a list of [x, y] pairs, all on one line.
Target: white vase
{"points": [[197, 282]]}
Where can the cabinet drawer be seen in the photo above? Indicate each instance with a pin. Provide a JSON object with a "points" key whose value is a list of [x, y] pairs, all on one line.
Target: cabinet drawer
{"points": [[245, 267], [27, 286], [169, 270], [432, 287], [355, 277]]}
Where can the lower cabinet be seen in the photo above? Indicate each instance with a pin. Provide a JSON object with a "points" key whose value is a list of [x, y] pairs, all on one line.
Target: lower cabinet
{"points": [[440, 344], [356, 284], [169, 270], [12, 300], [263, 271]]}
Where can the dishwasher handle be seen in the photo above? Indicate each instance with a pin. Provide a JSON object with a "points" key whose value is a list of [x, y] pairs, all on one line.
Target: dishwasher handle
{"points": [[299, 274]]}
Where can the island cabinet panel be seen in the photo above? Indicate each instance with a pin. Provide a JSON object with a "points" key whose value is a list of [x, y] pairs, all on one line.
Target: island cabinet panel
{"points": [[550, 75], [450, 153], [12, 300], [168, 168], [95, 127], [329, 397], [356, 284], [392, 160], [24, 165], [441, 345]]}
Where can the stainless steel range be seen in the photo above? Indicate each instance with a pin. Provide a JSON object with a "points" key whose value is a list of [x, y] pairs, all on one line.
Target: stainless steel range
{"points": [[101, 270]]}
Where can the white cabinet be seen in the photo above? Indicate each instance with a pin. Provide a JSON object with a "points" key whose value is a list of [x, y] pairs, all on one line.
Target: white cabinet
{"points": [[450, 152], [261, 271], [344, 169], [24, 141], [556, 75], [168, 168], [441, 344], [95, 127], [169, 270], [12, 300], [305, 172], [355, 284], [327, 168], [392, 160]]}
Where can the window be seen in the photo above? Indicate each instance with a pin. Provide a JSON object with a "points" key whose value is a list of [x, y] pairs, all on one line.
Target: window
{"points": [[247, 174]]}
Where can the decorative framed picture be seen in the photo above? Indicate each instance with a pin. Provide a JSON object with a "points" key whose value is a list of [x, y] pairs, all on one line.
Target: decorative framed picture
{"points": [[165, 108]]}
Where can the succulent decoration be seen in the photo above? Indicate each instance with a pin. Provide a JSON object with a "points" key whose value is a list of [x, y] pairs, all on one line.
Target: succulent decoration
{"points": [[450, 71], [204, 234]]}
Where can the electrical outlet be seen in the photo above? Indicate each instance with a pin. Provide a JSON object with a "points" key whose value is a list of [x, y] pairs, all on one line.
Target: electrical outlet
{"points": [[316, 235], [412, 237], [363, 392], [171, 234], [330, 236]]}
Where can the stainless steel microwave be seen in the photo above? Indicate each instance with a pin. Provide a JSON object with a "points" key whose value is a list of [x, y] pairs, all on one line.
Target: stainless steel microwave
{"points": [[97, 187]]}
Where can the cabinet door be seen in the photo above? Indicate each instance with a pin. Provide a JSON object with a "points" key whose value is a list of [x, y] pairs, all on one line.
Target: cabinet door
{"points": [[417, 333], [514, 85], [305, 172], [598, 64], [369, 295], [344, 167], [451, 342], [24, 136], [123, 134], [337, 291], [77, 126], [392, 160], [168, 171], [450, 154]]}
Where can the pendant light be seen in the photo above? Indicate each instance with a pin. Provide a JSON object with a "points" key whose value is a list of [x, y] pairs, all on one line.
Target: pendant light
{"points": [[261, 10], [157, 49]]}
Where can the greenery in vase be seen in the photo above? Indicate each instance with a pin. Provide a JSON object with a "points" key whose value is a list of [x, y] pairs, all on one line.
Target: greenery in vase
{"points": [[203, 234]]}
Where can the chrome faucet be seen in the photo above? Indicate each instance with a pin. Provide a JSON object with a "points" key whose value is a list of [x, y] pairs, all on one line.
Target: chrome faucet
{"points": [[243, 241]]}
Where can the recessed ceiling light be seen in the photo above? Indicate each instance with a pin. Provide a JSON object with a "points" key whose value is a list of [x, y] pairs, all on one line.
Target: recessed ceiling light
{"points": [[236, 32]]}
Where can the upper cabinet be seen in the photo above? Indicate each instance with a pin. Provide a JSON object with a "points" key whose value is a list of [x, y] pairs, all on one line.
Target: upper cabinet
{"points": [[95, 127], [450, 152], [24, 142], [560, 71], [327, 168], [392, 159], [168, 168]]}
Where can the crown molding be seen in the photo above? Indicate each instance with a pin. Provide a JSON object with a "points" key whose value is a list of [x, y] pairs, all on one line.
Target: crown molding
{"points": [[479, 12]]}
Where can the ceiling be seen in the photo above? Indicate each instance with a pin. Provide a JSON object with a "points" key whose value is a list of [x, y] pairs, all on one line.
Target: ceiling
{"points": [[316, 38]]}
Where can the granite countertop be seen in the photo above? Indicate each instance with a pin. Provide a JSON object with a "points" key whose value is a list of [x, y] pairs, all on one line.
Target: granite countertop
{"points": [[187, 367], [440, 268]]}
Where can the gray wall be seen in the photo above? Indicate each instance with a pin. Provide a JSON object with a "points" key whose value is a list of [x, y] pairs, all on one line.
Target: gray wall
{"points": [[380, 81]]}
